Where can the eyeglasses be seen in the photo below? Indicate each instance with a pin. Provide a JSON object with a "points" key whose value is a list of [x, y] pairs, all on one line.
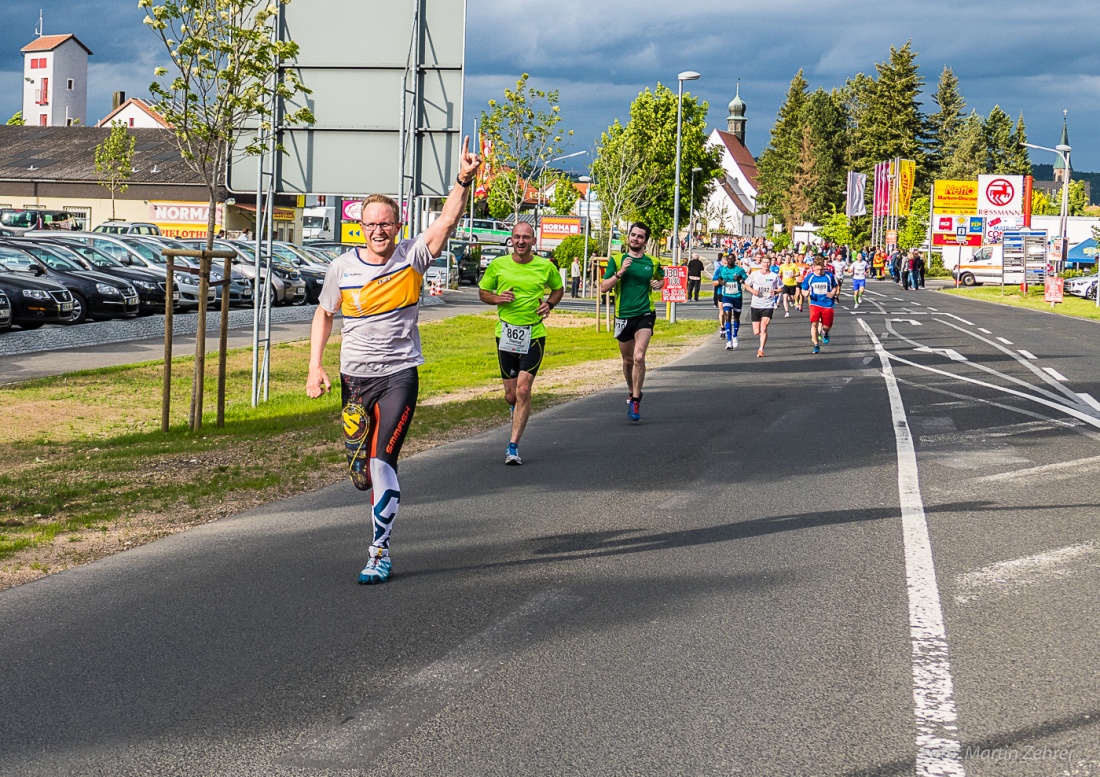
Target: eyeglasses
{"points": [[386, 225]]}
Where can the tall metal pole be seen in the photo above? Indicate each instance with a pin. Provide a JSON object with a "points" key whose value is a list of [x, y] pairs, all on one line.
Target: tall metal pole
{"points": [[685, 76]]}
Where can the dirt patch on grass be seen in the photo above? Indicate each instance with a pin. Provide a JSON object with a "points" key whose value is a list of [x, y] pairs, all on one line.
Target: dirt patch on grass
{"points": [[73, 548]]}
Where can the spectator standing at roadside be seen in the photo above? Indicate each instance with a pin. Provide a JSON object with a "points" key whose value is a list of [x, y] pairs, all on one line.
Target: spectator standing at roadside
{"points": [[575, 278], [695, 277]]}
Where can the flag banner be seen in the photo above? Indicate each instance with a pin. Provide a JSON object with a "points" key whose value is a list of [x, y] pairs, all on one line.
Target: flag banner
{"points": [[857, 186], [882, 189], [907, 174]]}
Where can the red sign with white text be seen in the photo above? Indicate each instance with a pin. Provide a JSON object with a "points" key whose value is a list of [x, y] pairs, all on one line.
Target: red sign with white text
{"points": [[676, 285]]}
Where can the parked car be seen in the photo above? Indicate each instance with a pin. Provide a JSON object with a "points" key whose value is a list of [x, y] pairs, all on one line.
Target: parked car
{"points": [[240, 289], [485, 231], [95, 295], [5, 312], [150, 284], [20, 220], [131, 256], [1082, 286], [468, 257], [127, 228], [443, 270], [488, 254], [333, 246], [34, 301], [287, 286]]}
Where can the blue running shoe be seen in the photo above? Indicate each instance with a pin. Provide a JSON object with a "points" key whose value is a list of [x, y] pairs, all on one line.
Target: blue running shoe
{"points": [[633, 409], [825, 338], [511, 456], [817, 349], [378, 568]]}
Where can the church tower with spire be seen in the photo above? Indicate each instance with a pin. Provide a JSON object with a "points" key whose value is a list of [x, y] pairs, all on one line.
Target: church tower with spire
{"points": [[1059, 166], [736, 120]]}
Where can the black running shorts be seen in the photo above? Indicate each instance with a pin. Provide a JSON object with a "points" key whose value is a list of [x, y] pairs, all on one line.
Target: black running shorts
{"points": [[626, 328], [756, 314], [512, 364]]}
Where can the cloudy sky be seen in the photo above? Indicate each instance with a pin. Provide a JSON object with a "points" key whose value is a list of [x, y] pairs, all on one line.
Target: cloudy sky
{"points": [[1028, 57]]}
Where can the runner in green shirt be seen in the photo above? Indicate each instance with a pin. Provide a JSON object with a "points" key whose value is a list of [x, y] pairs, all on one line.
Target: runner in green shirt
{"points": [[632, 275], [515, 284]]}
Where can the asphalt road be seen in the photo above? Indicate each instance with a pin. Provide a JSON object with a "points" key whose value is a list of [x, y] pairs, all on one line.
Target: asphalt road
{"points": [[882, 560]]}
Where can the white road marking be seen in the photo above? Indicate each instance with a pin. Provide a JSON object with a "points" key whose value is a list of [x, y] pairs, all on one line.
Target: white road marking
{"points": [[1009, 430], [954, 356], [958, 318], [900, 299], [938, 748], [1067, 409], [933, 309], [868, 359], [1077, 467], [912, 321], [1017, 574], [980, 329], [1005, 340], [1090, 400], [1028, 354], [1056, 375], [876, 293]]}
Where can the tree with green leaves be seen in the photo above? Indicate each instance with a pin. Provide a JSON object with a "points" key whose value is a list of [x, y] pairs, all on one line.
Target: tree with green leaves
{"points": [[565, 196], [944, 124], [1019, 162], [16, 119], [999, 142], [890, 123], [836, 229], [114, 161], [652, 127], [914, 231], [223, 76], [523, 128], [1078, 199], [623, 180], [779, 161], [806, 179], [966, 158], [825, 117]]}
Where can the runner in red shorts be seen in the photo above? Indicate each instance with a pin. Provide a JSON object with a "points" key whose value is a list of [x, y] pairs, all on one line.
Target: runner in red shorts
{"points": [[822, 289]]}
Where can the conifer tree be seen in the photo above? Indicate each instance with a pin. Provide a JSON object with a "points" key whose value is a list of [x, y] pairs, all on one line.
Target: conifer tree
{"points": [[824, 115], [945, 122], [1000, 153], [967, 155], [805, 182], [779, 161], [891, 124], [1021, 162]]}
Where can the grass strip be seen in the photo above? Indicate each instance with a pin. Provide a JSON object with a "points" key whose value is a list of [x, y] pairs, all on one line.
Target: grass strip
{"points": [[1033, 300]]}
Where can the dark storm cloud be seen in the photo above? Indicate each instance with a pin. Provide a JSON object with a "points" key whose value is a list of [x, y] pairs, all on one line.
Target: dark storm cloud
{"points": [[1026, 57]]}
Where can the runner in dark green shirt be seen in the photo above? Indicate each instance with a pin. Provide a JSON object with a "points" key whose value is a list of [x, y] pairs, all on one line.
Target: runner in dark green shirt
{"points": [[632, 275]]}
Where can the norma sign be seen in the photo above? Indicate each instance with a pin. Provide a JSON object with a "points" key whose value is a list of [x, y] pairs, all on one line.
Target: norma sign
{"points": [[676, 285], [560, 227], [183, 220]]}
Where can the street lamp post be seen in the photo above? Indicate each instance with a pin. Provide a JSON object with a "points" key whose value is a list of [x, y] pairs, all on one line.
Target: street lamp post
{"points": [[691, 210], [1063, 152], [538, 195], [687, 75], [587, 221]]}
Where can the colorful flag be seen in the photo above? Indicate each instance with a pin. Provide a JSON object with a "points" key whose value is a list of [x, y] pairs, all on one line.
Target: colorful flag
{"points": [[907, 174], [882, 189], [857, 186]]}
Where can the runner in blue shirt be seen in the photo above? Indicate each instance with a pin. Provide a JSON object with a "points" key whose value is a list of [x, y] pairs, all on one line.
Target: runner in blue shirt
{"points": [[822, 288], [728, 283]]}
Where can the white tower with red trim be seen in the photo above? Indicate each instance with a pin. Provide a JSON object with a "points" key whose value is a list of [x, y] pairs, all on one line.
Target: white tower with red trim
{"points": [[55, 81]]}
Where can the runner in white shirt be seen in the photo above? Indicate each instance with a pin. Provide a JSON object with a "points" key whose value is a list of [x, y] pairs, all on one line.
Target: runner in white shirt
{"points": [[858, 269], [764, 285]]}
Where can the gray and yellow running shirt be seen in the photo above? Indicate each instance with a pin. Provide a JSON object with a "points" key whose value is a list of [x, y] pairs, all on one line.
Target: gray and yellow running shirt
{"points": [[379, 303], [632, 290]]}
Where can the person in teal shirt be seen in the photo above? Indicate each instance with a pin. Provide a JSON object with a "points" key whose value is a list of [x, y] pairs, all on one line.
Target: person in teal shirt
{"points": [[515, 284], [729, 282], [632, 275]]}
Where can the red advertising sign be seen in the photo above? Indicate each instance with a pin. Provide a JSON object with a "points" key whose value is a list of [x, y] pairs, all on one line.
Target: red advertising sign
{"points": [[560, 227], [1052, 290], [676, 285]]}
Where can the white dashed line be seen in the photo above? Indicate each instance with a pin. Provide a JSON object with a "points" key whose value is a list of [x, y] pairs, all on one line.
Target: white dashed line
{"points": [[1077, 467], [1028, 354], [959, 318], [1055, 374], [986, 331], [1005, 341]]}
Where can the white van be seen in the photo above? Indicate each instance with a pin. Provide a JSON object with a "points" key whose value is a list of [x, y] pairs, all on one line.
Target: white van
{"points": [[985, 267]]}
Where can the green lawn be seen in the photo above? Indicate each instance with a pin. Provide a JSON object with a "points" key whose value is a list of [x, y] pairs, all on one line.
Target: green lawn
{"points": [[1011, 295], [84, 450]]}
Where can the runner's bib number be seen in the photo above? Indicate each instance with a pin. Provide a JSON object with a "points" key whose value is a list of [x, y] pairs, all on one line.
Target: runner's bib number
{"points": [[620, 325], [732, 289], [514, 339]]}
